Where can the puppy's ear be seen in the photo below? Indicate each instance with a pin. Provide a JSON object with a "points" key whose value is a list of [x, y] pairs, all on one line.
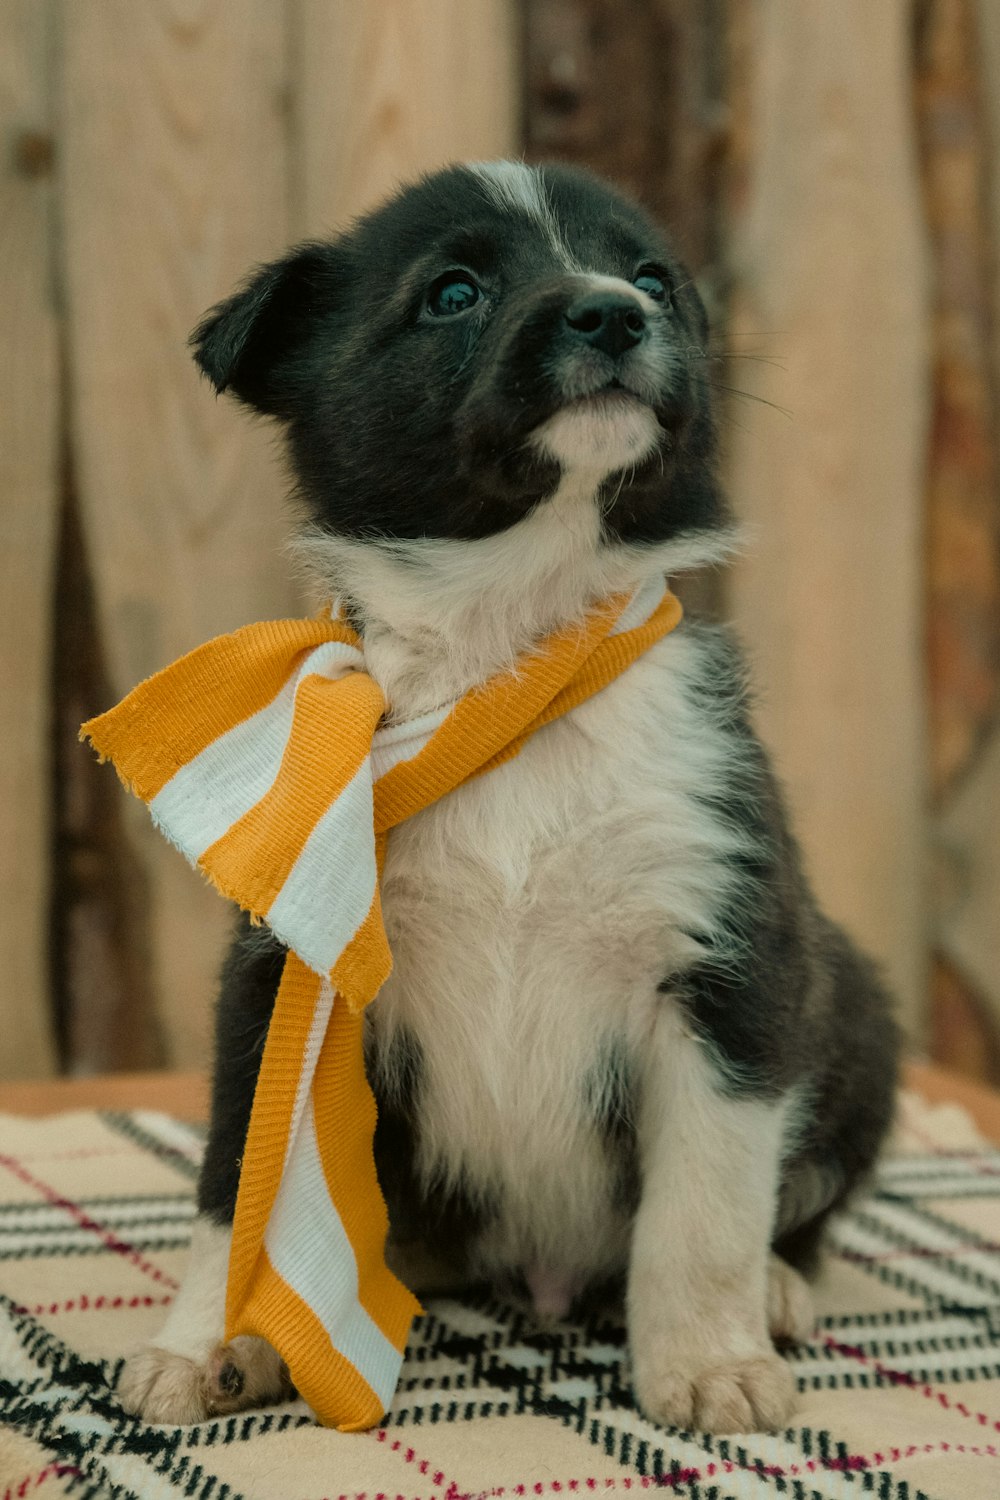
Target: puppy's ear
{"points": [[254, 343]]}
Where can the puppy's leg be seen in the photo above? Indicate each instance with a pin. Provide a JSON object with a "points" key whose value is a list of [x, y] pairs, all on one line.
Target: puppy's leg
{"points": [[698, 1278], [189, 1372], [791, 1317]]}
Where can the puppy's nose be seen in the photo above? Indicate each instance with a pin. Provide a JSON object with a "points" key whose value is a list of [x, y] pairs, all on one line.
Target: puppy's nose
{"points": [[610, 321]]}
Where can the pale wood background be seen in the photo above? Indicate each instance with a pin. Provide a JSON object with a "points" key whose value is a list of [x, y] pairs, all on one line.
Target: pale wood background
{"points": [[29, 465], [830, 173], [188, 141], [829, 251]]}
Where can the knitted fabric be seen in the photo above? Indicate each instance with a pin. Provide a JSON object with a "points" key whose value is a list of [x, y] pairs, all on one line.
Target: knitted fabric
{"points": [[261, 758]]}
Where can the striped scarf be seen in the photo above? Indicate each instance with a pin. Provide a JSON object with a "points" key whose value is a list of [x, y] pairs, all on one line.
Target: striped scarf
{"points": [[261, 758]]}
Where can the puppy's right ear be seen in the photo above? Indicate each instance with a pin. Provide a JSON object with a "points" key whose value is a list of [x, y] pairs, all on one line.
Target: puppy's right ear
{"points": [[253, 344]]}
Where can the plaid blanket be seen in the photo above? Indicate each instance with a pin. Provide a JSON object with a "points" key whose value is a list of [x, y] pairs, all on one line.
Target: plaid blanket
{"points": [[899, 1390]]}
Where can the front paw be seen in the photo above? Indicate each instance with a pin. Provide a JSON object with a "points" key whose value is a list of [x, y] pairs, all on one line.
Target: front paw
{"points": [[161, 1386], [734, 1395], [169, 1388]]}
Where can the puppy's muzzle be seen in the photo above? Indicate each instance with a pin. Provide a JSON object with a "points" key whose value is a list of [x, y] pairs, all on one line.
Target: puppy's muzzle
{"points": [[591, 362], [609, 321]]}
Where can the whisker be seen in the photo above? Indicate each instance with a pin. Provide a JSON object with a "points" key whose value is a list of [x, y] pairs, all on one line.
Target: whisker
{"points": [[753, 333], [749, 396], [763, 359]]}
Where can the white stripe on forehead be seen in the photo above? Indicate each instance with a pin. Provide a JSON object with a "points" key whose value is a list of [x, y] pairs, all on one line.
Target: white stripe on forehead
{"points": [[513, 184]]}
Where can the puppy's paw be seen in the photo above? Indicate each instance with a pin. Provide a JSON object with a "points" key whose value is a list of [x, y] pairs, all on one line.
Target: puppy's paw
{"points": [[791, 1317], [245, 1372], [750, 1395], [161, 1386]]}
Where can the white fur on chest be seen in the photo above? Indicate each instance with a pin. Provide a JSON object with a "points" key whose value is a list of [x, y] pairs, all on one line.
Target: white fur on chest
{"points": [[532, 914]]}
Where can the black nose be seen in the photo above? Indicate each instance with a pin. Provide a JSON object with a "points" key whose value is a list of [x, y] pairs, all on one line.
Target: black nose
{"points": [[610, 321]]}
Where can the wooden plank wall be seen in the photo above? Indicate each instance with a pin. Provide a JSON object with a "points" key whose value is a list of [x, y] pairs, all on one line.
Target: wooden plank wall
{"points": [[418, 83], [830, 172], [830, 279], [190, 142], [29, 487], [165, 204], [957, 65]]}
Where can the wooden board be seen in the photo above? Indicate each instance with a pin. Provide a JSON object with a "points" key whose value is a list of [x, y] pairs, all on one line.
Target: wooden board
{"points": [[667, 62], [29, 407], [174, 183], [830, 270], [954, 85], [969, 834], [186, 1095], [986, 42], [387, 89]]}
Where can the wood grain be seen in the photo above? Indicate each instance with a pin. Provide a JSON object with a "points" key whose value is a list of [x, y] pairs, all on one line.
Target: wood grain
{"points": [[102, 991], [962, 1035], [830, 269], [986, 44], [29, 410], [955, 83], [387, 89], [174, 183], [582, 62], [963, 498], [969, 924]]}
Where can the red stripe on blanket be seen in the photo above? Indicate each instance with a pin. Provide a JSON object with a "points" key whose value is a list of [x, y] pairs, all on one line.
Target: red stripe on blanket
{"points": [[853, 1463], [112, 1241], [903, 1377], [85, 1303], [32, 1481], [409, 1456]]}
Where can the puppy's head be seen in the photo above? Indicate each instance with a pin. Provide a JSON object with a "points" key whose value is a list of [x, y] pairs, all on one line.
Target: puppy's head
{"points": [[491, 330]]}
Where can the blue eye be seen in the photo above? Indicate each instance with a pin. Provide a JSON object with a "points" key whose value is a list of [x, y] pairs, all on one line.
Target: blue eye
{"points": [[453, 293], [647, 281]]}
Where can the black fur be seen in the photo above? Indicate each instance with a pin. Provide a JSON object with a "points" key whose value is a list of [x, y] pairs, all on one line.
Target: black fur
{"points": [[247, 992], [315, 340], [613, 1095]]}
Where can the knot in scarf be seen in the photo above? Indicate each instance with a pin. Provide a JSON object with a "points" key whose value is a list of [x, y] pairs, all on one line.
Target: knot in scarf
{"points": [[262, 756]]}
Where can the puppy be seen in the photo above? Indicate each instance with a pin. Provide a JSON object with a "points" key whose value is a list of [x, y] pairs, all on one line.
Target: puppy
{"points": [[620, 1041]]}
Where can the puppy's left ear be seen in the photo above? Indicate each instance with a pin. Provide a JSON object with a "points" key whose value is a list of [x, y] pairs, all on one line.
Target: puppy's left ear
{"points": [[254, 344]]}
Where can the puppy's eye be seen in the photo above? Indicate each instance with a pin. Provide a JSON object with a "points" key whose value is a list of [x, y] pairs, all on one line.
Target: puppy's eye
{"points": [[451, 294], [649, 282]]}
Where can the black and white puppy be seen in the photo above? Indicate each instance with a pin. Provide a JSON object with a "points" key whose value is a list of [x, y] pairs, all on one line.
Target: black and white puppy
{"points": [[619, 1041]]}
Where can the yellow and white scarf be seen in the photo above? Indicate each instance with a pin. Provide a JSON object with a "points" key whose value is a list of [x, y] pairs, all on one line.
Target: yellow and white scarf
{"points": [[261, 758]]}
